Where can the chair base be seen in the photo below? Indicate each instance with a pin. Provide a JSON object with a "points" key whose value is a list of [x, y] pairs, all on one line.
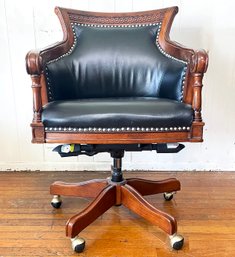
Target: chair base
{"points": [[106, 193]]}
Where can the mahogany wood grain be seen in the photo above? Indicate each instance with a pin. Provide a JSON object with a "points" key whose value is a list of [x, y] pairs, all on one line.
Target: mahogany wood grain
{"points": [[90, 188], [135, 202], [124, 138], [150, 187], [105, 199]]}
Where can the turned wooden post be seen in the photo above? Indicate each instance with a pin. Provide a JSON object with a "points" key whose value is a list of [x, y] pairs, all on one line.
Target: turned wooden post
{"points": [[34, 69], [37, 99], [199, 63], [38, 132], [197, 96]]}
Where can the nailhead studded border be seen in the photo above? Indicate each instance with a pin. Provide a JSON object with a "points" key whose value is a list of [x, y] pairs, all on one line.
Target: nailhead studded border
{"points": [[50, 94], [173, 58], [114, 130]]}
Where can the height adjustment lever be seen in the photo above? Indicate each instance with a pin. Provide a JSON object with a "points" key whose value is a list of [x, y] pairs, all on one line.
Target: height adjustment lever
{"points": [[169, 148]]}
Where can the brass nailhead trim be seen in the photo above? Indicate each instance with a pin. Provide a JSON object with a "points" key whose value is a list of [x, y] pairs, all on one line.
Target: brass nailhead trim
{"points": [[122, 129]]}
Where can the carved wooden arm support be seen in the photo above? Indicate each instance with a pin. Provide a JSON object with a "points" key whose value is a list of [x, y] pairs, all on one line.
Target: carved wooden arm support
{"points": [[35, 61], [197, 64], [34, 69], [198, 67]]}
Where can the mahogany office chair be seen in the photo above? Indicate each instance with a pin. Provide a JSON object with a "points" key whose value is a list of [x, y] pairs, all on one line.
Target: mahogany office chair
{"points": [[116, 83]]}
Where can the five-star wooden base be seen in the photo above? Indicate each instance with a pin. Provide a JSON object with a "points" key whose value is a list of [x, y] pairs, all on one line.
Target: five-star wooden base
{"points": [[106, 193]]}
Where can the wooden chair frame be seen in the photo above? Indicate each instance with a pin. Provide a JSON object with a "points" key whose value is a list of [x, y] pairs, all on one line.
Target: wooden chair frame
{"points": [[197, 62]]}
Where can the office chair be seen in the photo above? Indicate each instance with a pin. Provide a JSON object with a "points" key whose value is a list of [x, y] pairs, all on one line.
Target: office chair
{"points": [[116, 83]]}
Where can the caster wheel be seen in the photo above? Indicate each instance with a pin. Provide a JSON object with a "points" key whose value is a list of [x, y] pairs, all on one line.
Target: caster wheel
{"points": [[56, 201], [168, 196], [78, 244], [176, 241]]}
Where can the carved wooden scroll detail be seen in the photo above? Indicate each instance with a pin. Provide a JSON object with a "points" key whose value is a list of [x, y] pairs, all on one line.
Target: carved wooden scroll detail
{"points": [[112, 20]]}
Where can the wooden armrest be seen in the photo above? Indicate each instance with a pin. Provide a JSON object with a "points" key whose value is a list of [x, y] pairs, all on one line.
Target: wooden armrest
{"points": [[199, 61], [36, 59], [33, 62]]}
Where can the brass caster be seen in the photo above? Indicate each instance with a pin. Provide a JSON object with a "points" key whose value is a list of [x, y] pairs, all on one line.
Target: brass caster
{"points": [[176, 241], [78, 244], [56, 201]]}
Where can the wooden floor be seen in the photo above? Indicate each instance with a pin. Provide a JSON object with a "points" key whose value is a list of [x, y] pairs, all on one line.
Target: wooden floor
{"points": [[204, 208]]}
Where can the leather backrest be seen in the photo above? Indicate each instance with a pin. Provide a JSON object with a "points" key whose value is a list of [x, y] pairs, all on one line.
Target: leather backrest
{"points": [[115, 62]]}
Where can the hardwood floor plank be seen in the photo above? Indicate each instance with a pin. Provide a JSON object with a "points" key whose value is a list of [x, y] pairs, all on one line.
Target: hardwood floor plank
{"points": [[204, 209]]}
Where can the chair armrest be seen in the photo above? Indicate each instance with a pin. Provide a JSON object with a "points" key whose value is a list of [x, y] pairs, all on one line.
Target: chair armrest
{"points": [[197, 65], [33, 63], [36, 59], [199, 62], [196, 59]]}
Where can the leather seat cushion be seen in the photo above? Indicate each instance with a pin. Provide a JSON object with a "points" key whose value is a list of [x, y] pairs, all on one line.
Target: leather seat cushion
{"points": [[140, 112]]}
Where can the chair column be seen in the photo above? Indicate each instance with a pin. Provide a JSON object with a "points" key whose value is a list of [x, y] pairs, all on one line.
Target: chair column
{"points": [[116, 168]]}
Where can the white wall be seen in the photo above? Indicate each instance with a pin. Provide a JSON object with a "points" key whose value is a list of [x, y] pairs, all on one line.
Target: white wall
{"points": [[25, 25]]}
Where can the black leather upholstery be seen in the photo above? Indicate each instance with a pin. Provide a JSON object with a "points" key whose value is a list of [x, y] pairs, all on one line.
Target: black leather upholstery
{"points": [[116, 78], [142, 112], [115, 62]]}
